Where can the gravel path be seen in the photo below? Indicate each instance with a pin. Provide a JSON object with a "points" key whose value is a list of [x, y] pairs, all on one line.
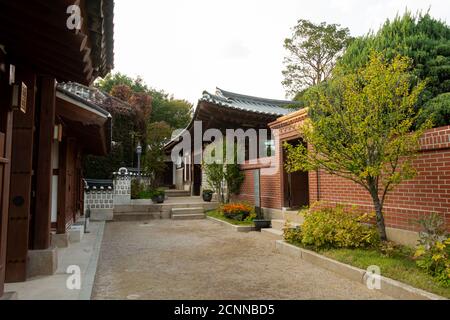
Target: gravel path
{"points": [[199, 259]]}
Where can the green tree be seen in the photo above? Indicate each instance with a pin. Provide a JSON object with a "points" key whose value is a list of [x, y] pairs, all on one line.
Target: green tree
{"points": [[154, 160], [360, 129], [436, 109], [225, 178], [114, 79], [312, 53], [420, 37], [177, 113]]}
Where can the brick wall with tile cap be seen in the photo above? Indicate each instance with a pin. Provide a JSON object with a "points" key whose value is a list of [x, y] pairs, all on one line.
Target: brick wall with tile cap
{"points": [[428, 192]]}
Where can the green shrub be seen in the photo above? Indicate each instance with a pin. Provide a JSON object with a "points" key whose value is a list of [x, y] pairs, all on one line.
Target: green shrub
{"points": [[157, 192], [292, 235], [391, 249], [436, 261], [338, 228], [136, 189], [433, 252]]}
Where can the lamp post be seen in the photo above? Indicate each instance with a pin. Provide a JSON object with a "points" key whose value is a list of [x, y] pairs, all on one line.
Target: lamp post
{"points": [[139, 152]]}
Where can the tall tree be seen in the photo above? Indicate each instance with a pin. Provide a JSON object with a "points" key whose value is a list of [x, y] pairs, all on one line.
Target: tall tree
{"points": [[153, 164], [132, 122], [225, 178], [312, 53], [177, 113], [360, 129], [420, 37]]}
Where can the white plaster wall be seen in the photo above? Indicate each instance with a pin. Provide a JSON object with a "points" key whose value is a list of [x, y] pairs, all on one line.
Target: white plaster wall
{"points": [[55, 165]]}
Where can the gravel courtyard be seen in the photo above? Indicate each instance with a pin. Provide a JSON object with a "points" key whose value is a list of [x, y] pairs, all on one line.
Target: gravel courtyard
{"points": [[199, 259]]}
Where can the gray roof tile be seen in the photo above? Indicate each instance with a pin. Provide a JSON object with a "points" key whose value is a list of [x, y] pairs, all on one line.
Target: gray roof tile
{"points": [[248, 103]]}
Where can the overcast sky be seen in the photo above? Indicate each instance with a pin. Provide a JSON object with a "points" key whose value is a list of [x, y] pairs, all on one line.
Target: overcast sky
{"points": [[185, 47]]}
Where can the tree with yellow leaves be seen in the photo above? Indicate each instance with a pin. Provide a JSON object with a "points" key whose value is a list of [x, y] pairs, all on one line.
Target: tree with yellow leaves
{"points": [[360, 128]]}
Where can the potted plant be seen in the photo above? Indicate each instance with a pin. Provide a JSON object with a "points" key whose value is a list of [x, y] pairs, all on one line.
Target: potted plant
{"points": [[158, 196], [207, 195], [260, 222]]}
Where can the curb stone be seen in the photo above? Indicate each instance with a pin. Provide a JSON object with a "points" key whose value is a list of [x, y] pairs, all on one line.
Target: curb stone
{"points": [[232, 226], [393, 288]]}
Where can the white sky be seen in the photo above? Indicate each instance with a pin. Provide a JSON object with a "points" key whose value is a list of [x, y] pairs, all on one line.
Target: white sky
{"points": [[187, 46]]}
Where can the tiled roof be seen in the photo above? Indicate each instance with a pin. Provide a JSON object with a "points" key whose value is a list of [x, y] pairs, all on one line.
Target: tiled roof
{"points": [[94, 97], [248, 103]]}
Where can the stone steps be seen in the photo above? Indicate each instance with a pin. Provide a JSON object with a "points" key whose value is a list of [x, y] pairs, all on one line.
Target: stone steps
{"points": [[276, 232], [280, 224], [177, 193], [188, 213]]}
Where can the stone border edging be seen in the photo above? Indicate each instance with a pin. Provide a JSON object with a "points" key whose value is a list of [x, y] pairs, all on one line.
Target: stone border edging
{"points": [[232, 226], [88, 285], [389, 286]]}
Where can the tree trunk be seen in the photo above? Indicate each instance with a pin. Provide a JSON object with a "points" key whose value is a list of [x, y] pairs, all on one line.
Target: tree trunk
{"points": [[379, 216]]}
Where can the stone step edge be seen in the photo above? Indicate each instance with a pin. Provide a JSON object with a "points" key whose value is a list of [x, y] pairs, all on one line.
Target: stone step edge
{"points": [[236, 228], [181, 216], [391, 287], [175, 210], [283, 222], [273, 231]]}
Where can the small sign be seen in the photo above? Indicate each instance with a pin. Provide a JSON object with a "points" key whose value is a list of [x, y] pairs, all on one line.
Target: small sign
{"points": [[19, 97]]}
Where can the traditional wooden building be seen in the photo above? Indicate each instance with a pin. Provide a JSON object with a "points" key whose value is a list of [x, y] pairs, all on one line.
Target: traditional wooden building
{"points": [[280, 194], [44, 127], [222, 110]]}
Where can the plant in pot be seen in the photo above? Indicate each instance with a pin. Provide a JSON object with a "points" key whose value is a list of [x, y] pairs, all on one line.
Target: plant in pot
{"points": [[158, 196], [260, 222], [207, 195]]}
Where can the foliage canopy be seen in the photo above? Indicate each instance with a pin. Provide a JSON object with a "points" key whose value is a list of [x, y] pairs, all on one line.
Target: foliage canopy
{"points": [[360, 128]]}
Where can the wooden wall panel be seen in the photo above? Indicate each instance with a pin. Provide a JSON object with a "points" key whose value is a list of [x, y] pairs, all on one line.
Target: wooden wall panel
{"points": [[21, 180], [6, 118]]}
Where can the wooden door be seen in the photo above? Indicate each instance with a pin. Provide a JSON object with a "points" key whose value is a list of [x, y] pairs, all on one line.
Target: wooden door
{"points": [[197, 179], [20, 188], [299, 189]]}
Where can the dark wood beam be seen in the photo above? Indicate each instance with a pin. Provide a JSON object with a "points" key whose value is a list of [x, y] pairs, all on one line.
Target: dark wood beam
{"points": [[52, 52], [37, 25], [42, 214]]}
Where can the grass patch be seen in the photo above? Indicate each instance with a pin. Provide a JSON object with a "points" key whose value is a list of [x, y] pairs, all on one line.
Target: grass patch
{"points": [[216, 214], [398, 267]]}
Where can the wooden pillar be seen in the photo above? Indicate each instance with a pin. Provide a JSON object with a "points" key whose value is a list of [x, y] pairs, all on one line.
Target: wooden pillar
{"points": [[21, 179], [42, 214], [6, 122]]}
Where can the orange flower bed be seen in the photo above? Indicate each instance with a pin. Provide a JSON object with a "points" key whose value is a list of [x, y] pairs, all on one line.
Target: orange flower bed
{"points": [[237, 211]]}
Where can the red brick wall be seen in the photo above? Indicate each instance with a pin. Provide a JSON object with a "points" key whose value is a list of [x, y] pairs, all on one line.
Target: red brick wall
{"points": [[270, 185], [428, 192], [247, 188]]}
